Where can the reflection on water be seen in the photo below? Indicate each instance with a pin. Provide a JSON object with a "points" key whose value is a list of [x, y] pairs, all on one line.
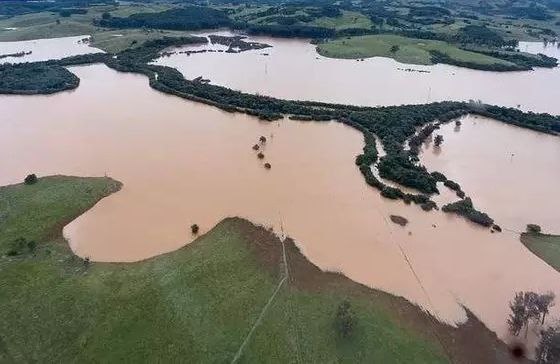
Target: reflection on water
{"points": [[183, 163], [45, 49], [512, 173], [293, 70]]}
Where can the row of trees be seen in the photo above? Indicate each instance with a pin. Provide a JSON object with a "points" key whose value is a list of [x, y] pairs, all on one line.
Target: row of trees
{"points": [[185, 18], [466, 208]]}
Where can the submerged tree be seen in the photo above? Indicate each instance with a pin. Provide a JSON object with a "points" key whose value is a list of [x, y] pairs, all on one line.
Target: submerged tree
{"points": [[543, 303], [438, 140], [344, 320], [194, 229], [523, 310], [526, 307]]}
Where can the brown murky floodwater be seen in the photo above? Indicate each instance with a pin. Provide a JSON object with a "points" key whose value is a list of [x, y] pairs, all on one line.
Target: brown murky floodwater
{"points": [[45, 49], [512, 173], [294, 70], [183, 163]]}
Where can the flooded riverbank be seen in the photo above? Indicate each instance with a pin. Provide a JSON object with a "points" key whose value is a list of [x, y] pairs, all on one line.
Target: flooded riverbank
{"points": [[512, 173], [45, 49], [183, 163], [372, 82]]}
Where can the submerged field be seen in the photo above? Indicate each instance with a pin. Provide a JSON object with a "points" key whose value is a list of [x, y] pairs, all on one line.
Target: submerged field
{"points": [[402, 49], [198, 303]]}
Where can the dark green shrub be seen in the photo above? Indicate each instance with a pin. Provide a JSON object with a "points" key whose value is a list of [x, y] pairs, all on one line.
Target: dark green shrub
{"points": [[30, 179], [194, 229]]}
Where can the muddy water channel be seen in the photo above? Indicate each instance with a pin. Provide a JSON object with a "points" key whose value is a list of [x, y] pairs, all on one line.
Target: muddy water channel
{"points": [[183, 163], [292, 69]]}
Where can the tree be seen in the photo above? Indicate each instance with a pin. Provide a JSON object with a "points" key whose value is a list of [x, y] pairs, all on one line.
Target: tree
{"points": [[543, 304], [548, 349], [523, 310], [262, 139], [533, 228], [344, 320], [395, 49], [438, 140], [30, 179], [194, 229]]}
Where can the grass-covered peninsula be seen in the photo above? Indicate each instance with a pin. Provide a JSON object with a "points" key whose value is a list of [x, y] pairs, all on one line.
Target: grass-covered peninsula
{"points": [[198, 303], [400, 48], [545, 246]]}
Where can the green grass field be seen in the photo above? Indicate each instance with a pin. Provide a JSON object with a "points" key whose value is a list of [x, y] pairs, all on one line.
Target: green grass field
{"points": [[348, 19], [546, 247], [44, 24], [412, 51], [196, 304]]}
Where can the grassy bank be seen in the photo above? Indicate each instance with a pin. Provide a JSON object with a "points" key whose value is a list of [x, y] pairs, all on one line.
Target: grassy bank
{"points": [[401, 49], [347, 20], [196, 304], [546, 247], [52, 25]]}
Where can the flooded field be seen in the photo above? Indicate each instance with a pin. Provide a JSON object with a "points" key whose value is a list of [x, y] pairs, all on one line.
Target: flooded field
{"points": [[372, 82], [183, 163], [45, 49], [512, 173]]}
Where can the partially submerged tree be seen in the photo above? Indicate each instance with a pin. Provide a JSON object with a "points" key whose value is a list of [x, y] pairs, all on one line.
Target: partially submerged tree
{"points": [[543, 303], [194, 229], [526, 307], [438, 140], [523, 310]]}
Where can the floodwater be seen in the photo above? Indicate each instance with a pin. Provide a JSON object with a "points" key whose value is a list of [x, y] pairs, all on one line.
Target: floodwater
{"points": [[512, 173], [294, 70], [183, 163], [45, 49]]}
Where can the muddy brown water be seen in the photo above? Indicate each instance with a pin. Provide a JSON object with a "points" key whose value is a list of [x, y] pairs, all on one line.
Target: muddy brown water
{"points": [[45, 49], [512, 173], [183, 163], [294, 70]]}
